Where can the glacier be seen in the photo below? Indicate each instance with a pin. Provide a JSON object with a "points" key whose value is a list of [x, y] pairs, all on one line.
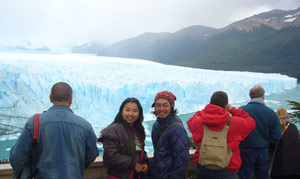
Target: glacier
{"points": [[100, 84]]}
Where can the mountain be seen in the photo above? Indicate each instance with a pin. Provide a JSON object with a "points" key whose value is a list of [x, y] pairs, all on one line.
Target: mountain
{"points": [[26, 46], [161, 47], [268, 42], [275, 19], [92, 47]]}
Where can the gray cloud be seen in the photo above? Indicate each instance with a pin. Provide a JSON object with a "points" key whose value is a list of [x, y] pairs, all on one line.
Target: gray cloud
{"points": [[60, 22]]}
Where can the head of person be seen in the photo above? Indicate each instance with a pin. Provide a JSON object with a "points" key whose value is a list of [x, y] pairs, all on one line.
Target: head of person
{"points": [[257, 92], [219, 98], [130, 113], [282, 113], [164, 104], [284, 117], [61, 94]]}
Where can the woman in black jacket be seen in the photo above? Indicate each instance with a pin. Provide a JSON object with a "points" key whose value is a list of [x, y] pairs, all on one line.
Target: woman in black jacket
{"points": [[286, 161], [123, 143]]}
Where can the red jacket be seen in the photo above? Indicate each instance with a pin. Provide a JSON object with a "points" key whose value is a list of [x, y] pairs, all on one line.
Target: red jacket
{"points": [[215, 118]]}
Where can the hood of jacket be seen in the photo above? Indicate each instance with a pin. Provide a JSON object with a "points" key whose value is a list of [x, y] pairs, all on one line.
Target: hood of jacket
{"points": [[215, 117]]}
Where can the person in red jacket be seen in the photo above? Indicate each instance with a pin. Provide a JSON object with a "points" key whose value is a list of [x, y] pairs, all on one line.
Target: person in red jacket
{"points": [[215, 115]]}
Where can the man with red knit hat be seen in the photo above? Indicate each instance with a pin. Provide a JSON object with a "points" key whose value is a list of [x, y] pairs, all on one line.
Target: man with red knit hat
{"points": [[216, 116], [170, 140]]}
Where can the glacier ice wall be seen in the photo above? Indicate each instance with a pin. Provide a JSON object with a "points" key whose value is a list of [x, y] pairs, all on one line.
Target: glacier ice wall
{"points": [[100, 84]]}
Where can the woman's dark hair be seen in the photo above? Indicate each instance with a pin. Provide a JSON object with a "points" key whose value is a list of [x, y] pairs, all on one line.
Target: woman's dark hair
{"points": [[138, 123]]}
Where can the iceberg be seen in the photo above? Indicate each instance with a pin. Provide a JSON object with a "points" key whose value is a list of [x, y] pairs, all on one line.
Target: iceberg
{"points": [[100, 84]]}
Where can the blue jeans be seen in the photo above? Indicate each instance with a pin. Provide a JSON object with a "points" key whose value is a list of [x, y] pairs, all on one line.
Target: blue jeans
{"points": [[254, 162], [204, 173]]}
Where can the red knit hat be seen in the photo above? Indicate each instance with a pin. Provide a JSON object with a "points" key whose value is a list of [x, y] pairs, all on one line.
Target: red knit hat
{"points": [[165, 95]]}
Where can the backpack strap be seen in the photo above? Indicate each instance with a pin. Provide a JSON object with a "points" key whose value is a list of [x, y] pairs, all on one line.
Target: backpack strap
{"points": [[229, 121], [163, 133], [36, 129], [34, 141]]}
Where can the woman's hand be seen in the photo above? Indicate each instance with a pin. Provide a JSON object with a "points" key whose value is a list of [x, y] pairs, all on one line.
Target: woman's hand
{"points": [[138, 167], [145, 168]]}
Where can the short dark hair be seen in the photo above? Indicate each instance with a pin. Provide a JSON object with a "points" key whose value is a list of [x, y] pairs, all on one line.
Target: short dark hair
{"points": [[256, 92], [219, 98], [61, 92]]}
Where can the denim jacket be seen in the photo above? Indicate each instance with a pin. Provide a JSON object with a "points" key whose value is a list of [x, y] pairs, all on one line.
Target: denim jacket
{"points": [[66, 144]]}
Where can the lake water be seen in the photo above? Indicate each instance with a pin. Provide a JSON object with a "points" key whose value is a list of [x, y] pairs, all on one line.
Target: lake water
{"points": [[274, 101]]}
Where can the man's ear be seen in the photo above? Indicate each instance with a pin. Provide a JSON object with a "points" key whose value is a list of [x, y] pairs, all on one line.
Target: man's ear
{"points": [[51, 99], [71, 100], [263, 96]]}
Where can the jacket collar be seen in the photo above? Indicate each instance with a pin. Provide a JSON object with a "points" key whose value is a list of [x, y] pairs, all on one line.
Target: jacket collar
{"points": [[257, 100], [60, 107], [165, 120]]}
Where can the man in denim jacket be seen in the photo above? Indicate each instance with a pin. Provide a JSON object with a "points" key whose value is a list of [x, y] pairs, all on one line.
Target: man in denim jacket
{"points": [[66, 142]]}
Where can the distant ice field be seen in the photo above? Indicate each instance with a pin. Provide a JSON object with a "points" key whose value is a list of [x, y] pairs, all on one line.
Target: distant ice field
{"points": [[100, 84]]}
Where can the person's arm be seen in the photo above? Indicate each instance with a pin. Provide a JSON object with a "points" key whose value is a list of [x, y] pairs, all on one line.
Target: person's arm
{"points": [[154, 132], [275, 130], [145, 162], [195, 128], [92, 150], [21, 153], [179, 144], [239, 112], [247, 121]]}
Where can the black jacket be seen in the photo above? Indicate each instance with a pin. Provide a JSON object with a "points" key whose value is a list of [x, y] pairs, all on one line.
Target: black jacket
{"points": [[286, 162], [119, 150], [171, 158]]}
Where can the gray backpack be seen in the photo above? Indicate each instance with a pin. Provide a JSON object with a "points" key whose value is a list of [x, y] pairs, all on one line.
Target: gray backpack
{"points": [[214, 152]]}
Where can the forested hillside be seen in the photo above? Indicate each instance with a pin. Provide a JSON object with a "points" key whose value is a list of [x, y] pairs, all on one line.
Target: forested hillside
{"points": [[268, 42]]}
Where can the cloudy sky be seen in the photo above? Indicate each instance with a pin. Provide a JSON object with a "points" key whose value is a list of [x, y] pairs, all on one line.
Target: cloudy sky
{"points": [[66, 22]]}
